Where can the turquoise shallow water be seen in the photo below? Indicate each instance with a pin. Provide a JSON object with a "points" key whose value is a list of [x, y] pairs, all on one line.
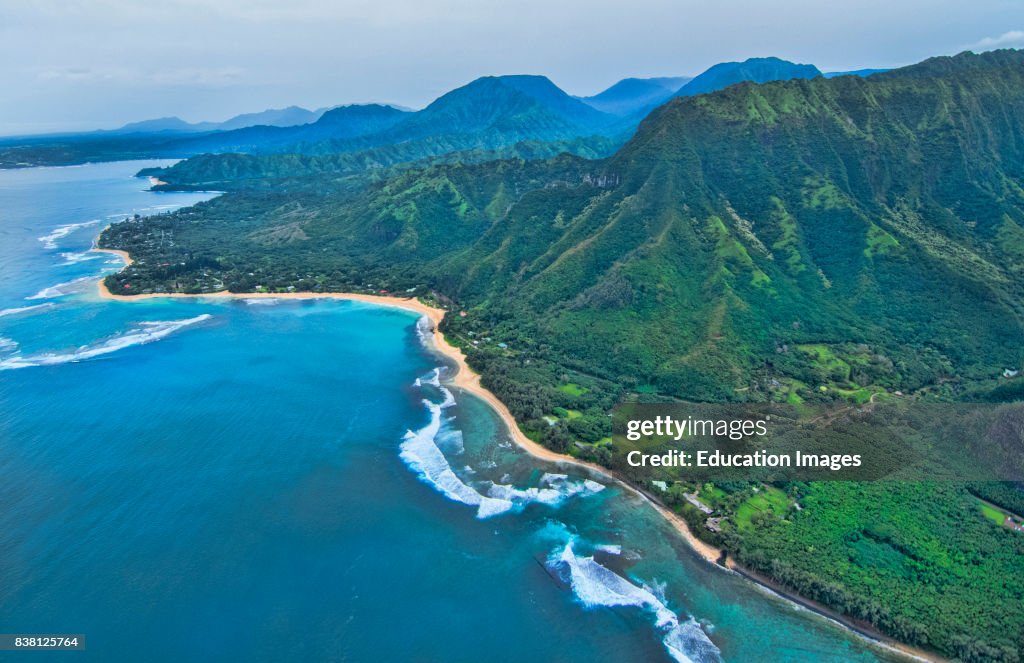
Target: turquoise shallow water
{"points": [[267, 481]]}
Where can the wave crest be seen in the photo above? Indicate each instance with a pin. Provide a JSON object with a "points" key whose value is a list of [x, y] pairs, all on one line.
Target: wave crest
{"points": [[598, 586], [422, 452], [61, 289], [50, 239], [146, 332], [24, 309], [71, 258]]}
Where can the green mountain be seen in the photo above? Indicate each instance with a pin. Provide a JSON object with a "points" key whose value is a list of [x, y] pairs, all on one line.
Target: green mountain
{"points": [[810, 240], [908, 219], [635, 95]]}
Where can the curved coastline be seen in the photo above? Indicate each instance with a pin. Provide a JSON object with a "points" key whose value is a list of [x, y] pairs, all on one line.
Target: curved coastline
{"points": [[463, 378], [466, 379]]}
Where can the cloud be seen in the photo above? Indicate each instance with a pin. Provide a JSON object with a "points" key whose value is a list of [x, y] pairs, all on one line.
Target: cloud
{"points": [[1010, 39], [209, 77]]}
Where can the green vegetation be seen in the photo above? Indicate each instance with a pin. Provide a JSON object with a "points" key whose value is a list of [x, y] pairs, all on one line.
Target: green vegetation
{"points": [[805, 241], [993, 514], [913, 559], [767, 503], [572, 389]]}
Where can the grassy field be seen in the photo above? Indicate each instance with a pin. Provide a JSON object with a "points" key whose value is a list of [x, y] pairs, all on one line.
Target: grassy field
{"points": [[768, 500], [992, 513], [572, 389]]}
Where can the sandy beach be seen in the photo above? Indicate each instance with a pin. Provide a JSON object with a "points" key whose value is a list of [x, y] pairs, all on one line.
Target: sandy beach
{"points": [[466, 379]]}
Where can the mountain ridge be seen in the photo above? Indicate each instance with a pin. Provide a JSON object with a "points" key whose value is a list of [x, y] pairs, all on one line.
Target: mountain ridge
{"points": [[632, 95], [755, 70], [277, 117]]}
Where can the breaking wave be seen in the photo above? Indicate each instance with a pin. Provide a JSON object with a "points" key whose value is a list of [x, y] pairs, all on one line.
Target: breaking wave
{"points": [[50, 240], [146, 332], [75, 258], [422, 452], [24, 309], [432, 378], [598, 586], [61, 289]]}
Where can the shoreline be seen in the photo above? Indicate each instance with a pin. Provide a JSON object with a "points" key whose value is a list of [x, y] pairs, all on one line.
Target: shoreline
{"points": [[468, 380], [464, 378]]}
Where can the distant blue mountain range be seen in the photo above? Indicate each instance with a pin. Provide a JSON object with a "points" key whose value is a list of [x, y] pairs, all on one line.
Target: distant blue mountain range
{"points": [[490, 113], [855, 72], [755, 70], [273, 117], [634, 94]]}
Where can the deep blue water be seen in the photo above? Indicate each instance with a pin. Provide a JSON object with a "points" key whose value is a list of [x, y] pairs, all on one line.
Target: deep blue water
{"points": [[230, 480]]}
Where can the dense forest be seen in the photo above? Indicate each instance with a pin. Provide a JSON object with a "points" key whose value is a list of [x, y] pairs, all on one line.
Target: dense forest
{"points": [[802, 241]]}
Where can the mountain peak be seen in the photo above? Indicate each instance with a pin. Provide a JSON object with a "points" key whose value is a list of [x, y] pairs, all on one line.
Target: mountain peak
{"points": [[756, 70], [169, 123], [490, 97], [632, 95]]}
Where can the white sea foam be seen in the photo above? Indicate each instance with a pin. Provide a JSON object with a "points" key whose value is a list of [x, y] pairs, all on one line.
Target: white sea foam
{"points": [[610, 548], [75, 258], [262, 301], [424, 329], [450, 441], [513, 494], [422, 451], [593, 486], [596, 585], [7, 343], [146, 332], [24, 309], [50, 240], [688, 643], [61, 289], [433, 378]]}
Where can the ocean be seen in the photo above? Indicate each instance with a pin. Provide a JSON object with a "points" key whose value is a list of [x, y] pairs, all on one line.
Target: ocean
{"points": [[273, 480]]}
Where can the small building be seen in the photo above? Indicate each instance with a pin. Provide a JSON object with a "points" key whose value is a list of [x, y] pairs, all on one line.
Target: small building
{"points": [[692, 499], [713, 524]]}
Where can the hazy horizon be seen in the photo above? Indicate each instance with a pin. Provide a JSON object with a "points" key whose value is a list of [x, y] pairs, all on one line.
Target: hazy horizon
{"points": [[102, 64]]}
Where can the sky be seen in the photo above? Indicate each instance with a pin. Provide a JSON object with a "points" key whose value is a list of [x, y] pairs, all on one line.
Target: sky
{"points": [[69, 65]]}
